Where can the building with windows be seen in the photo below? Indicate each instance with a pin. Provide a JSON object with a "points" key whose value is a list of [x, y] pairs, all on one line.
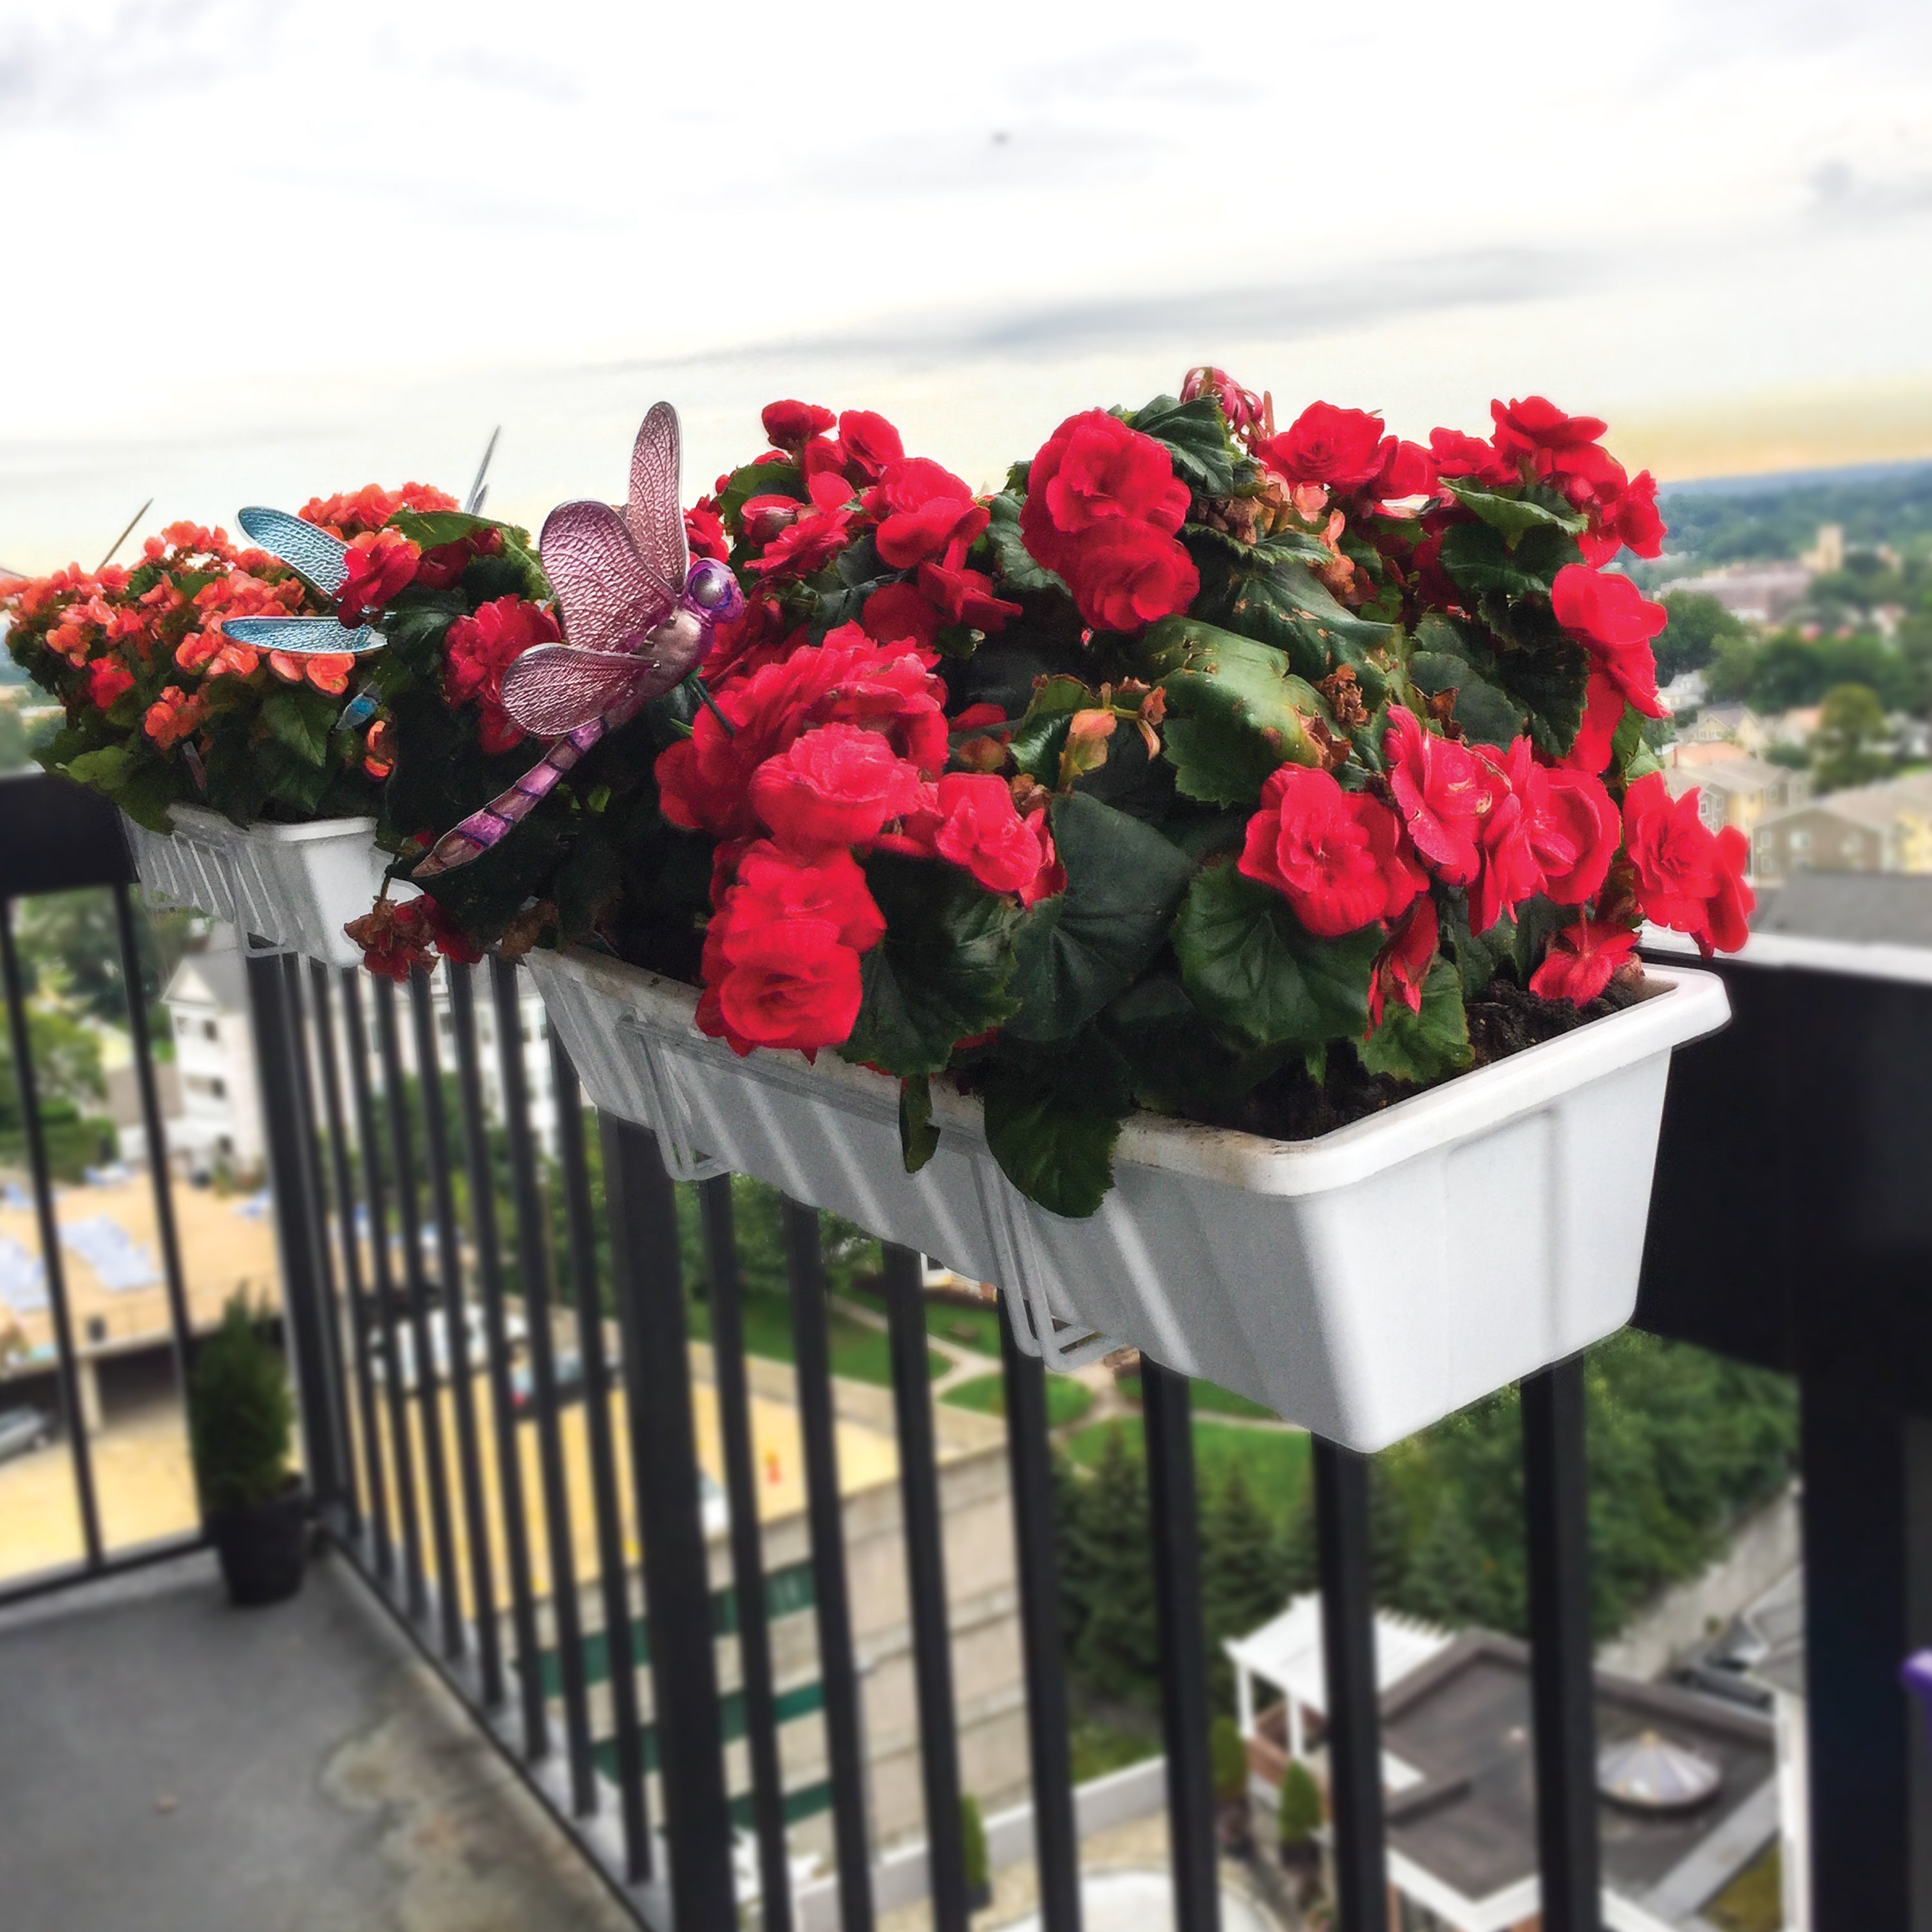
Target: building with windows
{"points": [[1877, 828], [1738, 791], [219, 1128]]}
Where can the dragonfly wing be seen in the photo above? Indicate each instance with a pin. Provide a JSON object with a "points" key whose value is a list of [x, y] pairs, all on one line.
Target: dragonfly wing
{"points": [[316, 552], [654, 513], [553, 689], [607, 593], [301, 637]]}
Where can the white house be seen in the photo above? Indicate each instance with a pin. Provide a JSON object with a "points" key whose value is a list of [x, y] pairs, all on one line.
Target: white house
{"points": [[220, 1124]]}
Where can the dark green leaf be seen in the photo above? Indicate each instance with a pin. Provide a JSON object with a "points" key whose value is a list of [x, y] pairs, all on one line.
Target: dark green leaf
{"points": [[430, 529], [761, 479], [1234, 711], [1479, 557], [1515, 512], [1076, 951], [940, 975], [1054, 1146], [1426, 1045], [1286, 607], [1205, 456], [105, 769], [919, 1139], [302, 720], [1551, 684], [1016, 567], [1042, 732], [1486, 714], [1251, 966]]}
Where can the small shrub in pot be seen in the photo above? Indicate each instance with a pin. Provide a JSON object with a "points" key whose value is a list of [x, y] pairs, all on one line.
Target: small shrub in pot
{"points": [[240, 1417], [973, 1844]]}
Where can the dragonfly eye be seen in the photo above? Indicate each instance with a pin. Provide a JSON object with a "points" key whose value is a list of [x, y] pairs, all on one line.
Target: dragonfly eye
{"points": [[713, 589]]}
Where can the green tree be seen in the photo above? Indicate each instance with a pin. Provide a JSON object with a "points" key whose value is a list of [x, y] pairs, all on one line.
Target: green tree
{"points": [[1228, 1758], [67, 1068], [1298, 1817], [1848, 747], [15, 755], [1243, 1575], [1116, 1652], [1733, 672], [1699, 627]]}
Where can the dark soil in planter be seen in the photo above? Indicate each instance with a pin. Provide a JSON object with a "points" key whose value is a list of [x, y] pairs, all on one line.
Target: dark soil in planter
{"points": [[1503, 1019], [262, 1550]]}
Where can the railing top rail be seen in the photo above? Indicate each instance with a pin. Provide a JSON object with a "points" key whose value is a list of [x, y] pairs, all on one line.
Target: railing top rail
{"points": [[55, 836]]}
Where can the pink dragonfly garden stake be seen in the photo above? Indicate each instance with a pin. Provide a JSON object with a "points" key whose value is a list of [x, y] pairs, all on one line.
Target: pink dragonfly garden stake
{"points": [[636, 617]]}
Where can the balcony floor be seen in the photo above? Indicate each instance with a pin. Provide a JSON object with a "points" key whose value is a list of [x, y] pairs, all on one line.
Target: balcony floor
{"points": [[168, 1764]]}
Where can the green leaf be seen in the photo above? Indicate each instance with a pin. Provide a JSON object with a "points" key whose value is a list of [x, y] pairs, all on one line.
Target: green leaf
{"points": [[1195, 435], [1479, 557], [919, 1139], [302, 720], [1259, 976], [1054, 1147], [1037, 744], [1426, 1045], [940, 974], [1235, 710], [1016, 565], [1487, 714], [1552, 685], [761, 479], [1517, 513], [1285, 546], [1286, 607], [430, 529], [1075, 952], [105, 770]]}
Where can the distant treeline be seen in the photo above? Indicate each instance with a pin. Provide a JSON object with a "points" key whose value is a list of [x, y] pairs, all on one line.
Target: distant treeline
{"points": [[1780, 519]]}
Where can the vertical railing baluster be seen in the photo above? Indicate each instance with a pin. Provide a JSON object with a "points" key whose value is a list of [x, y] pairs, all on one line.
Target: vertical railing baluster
{"points": [[533, 1260], [838, 1670], [377, 1514], [485, 1231], [1030, 1455], [1556, 1494], [748, 1568], [665, 1473], [926, 1585], [329, 1312], [456, 1338], [154, 1133], [1867, 1472], [276, 1022], [67, 1370], [402, 1455], [614, 1574], [427, 1394], [1174, 1523], [1354, 1711]]}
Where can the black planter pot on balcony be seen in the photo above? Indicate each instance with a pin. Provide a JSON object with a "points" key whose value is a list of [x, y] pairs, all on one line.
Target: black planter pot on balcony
{"points": [[262, 1550]]}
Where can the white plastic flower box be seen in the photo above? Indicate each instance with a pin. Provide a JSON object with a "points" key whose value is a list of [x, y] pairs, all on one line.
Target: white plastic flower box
{"points": [[296, 886], [1363, 1284]]}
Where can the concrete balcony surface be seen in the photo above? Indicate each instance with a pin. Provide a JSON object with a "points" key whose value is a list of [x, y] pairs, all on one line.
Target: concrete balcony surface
{"points": [[168, 1764]]}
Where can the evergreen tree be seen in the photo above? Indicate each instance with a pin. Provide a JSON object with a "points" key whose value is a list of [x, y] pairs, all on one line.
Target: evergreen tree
{"points": [[1116, 1655], [1243, 1572], [1299, 1817], [1301, 1547]]}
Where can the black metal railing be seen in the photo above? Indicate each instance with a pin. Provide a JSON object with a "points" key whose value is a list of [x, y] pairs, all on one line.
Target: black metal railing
{"points": [[1792, 1228]]}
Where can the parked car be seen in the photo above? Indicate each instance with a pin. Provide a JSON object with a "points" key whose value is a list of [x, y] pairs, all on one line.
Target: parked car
{"points": [[476, 1336], [24, 1430]]}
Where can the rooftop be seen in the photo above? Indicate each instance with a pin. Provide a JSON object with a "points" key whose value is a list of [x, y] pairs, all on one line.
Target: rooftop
{"points": [[1463, 1720]]}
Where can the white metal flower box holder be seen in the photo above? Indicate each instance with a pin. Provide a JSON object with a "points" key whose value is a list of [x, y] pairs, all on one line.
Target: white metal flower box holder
{"points": [[1364, 1284], [295, 885]]}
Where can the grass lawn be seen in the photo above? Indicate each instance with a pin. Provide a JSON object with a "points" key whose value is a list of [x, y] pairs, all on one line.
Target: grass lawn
{"points": [[1753, 1900], [857, 1352], [1274, 1461], [1213, 1401], [1066, 1400], [1100, 1748], [976, 1328]]}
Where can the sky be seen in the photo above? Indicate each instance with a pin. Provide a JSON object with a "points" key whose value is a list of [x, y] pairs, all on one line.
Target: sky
{"points": [[259, 249]]}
